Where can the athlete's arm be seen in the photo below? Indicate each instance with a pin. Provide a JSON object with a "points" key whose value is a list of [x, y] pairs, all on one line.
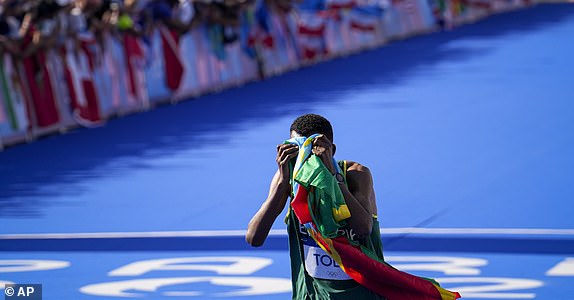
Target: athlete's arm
{"points": [[360, 197], [279, 191]]}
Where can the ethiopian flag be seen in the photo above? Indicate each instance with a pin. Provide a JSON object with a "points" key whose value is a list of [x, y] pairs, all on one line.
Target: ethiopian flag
{"points": [[319, 206]]}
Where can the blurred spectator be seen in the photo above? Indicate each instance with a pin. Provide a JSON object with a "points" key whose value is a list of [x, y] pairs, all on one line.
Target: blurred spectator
{"points": [[10, 20]]}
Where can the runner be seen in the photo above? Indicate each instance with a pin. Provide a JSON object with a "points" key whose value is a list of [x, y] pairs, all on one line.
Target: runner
{"points": [[362, 225]]}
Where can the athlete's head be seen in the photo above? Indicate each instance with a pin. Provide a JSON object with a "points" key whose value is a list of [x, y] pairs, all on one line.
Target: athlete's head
{"points": [[309, 124]]}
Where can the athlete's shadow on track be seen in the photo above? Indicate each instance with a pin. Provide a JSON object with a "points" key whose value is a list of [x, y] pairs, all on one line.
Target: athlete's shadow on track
{"points": [[29, 172]]}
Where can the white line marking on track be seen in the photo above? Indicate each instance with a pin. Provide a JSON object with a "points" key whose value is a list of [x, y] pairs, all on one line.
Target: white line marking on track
{"points": [[280, 232]]}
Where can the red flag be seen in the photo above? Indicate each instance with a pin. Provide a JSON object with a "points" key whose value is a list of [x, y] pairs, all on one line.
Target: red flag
{"points": [[39, 82], [377, 276], [173, 62], [133, 51], [363, 27], [89, 112]]}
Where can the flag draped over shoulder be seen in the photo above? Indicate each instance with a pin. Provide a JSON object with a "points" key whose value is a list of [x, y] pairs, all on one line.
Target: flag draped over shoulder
{"points": [[320, 207]]}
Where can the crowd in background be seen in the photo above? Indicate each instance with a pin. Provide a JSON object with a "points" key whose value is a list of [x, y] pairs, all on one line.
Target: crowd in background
{"points": [[66, 63]]}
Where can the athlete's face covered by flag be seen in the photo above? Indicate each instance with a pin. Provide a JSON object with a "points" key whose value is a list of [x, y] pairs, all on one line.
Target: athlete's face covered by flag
{"points": [[323, 148]]}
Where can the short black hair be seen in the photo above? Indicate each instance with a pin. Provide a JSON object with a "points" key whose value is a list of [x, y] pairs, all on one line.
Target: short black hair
{"points": [[309, 124]]}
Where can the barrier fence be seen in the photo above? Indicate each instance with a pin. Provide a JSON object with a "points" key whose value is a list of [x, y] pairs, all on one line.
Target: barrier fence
{"points": [[90, 79]]}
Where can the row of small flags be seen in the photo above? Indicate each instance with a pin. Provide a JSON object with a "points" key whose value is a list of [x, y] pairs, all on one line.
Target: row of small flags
{"points": [[60, 88]]}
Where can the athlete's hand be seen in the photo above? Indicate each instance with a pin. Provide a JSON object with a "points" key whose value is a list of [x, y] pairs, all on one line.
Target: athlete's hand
{"points": [[323, 148], [285, 152]]}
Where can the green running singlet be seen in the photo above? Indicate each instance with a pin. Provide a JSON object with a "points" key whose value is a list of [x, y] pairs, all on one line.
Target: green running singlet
{"points": [[315, 275]]}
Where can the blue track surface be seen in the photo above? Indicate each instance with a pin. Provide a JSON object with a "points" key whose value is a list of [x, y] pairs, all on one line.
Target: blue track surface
{"points": [[102, 275], [470, 128]]}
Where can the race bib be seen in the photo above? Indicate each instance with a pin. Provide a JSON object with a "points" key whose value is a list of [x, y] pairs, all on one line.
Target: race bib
{"points": [[320, 265]]}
